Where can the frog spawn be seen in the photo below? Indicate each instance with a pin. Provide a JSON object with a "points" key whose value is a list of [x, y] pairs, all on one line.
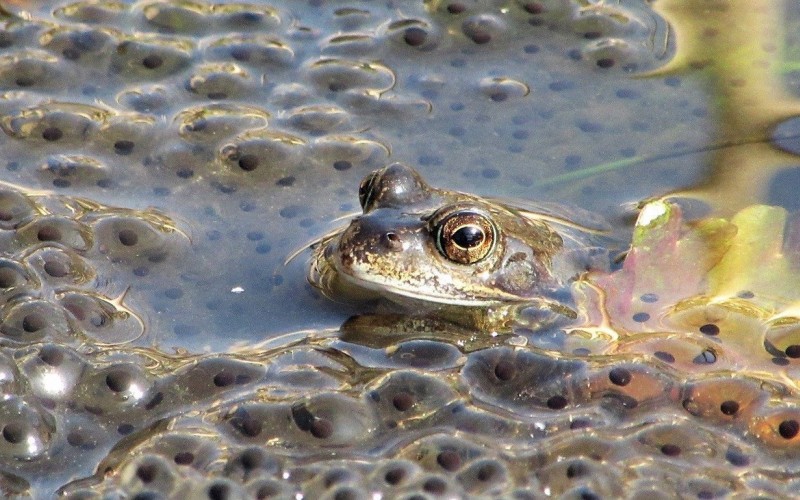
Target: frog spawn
{"points": [[585, 433], [60, 258], [271, 419], [151, 48]]}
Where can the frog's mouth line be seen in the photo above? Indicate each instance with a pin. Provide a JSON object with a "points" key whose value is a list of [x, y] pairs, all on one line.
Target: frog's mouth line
{"points": [[388, 290], [338, 283]]}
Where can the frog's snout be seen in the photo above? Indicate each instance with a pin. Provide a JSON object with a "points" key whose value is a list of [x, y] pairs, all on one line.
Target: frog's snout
{"points": [[368, 234]]}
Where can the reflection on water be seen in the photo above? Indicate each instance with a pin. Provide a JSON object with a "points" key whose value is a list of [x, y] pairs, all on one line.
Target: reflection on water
{"points": [[248, 127], [743, 62]]}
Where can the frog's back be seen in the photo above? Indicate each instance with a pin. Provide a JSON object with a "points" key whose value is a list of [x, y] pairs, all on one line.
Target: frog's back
{"points": [[589, 240]]}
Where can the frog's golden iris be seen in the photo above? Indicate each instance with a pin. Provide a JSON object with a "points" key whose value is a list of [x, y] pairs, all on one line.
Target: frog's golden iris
{"points": [[465, 237]]}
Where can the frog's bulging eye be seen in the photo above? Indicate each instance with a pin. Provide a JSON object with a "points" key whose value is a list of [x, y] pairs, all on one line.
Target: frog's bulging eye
{"points": [[395, 186], [466, 237]]}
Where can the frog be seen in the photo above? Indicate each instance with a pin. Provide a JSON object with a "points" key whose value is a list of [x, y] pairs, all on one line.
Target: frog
{"points": [[462, 258]]}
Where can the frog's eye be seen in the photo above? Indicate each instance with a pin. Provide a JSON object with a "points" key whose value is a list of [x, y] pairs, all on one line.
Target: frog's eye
{"points": [[365, 189], [466, 237], [394, 186]]}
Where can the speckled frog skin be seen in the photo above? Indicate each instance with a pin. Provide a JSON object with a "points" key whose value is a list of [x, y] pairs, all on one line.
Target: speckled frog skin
{"points": [[462, 256]]}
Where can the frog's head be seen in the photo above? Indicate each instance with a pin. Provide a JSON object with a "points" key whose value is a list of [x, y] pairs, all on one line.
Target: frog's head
{"points": [[429, 248]]}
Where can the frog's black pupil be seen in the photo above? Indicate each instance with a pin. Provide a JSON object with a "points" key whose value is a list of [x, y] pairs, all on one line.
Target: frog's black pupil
{"points": [[468, 236]]}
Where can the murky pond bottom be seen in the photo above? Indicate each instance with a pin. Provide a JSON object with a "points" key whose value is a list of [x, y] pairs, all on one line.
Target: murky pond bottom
{"points": [[161, 160]]}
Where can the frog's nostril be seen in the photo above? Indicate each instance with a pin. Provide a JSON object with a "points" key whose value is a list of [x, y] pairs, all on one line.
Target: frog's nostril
{"points": [[392, 241]]}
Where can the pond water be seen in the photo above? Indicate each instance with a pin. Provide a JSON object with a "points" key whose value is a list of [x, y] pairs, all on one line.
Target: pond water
{"points": [[161, 161]]}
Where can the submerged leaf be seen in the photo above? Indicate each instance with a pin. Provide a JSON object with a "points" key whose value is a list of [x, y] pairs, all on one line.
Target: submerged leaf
{"points": [[704, 296], [756, 262], [668, 261]]}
